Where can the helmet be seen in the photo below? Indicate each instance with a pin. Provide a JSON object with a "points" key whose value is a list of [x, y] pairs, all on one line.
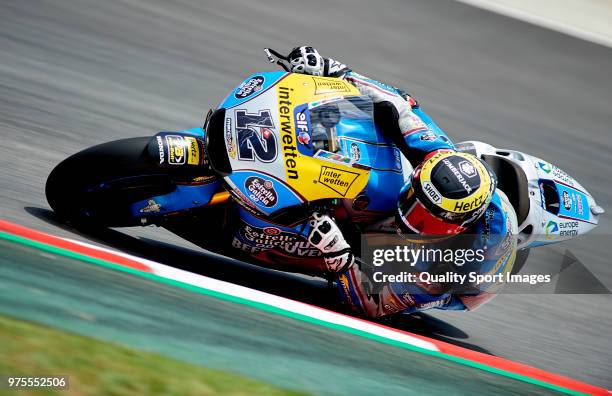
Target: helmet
{"points": [[446, 193]]}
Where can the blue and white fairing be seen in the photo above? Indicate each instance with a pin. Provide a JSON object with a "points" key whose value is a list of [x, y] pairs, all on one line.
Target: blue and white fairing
{"points": [[559, 207], [251, 87]]}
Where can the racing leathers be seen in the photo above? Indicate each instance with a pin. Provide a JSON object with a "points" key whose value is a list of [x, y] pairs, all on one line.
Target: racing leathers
{"points": [[491, 241], [398, 116]]}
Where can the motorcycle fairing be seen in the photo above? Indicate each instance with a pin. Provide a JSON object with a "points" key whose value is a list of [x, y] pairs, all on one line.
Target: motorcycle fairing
{"points": [[277, 246], [266, 192], [261, 140], [377, 156], [253, 88], [176, 151], [557, 206], [182, 198], [179, 149], [572, 203]]}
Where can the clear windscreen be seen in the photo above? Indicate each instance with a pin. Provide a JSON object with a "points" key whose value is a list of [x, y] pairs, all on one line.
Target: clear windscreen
{"points": [[339, 117]]}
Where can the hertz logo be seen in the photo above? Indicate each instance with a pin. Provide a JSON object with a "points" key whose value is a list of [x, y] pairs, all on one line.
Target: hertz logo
{"points": [[466, 206]]}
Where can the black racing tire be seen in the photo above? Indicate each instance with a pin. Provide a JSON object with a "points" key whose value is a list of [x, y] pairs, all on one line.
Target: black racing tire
{"points": [[94, 187]]}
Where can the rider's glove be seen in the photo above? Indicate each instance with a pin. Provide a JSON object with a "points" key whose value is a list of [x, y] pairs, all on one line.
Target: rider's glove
{"points": [[327, 237], [307, 60]]}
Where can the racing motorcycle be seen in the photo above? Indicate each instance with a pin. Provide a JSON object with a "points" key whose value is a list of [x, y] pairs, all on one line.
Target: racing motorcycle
{"points": [[279, 143]]}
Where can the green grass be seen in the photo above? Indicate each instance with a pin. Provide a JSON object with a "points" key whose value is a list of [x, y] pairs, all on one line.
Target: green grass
{"points": [[102, 368]]}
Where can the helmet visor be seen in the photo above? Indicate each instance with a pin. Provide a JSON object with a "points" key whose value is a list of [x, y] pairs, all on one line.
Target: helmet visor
{"points": [[418, 219]]}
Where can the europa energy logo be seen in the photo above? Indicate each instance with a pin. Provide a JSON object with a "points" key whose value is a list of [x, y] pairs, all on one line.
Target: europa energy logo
{"points": [[551, 227], [545, 166]]}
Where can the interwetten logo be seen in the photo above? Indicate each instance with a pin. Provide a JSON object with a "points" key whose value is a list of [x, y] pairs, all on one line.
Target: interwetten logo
{"points": [[288, 142], [338, 180]]}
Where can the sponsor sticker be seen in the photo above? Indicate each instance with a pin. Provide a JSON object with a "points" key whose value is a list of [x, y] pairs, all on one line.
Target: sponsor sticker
{"points": [[468, 204], [193, 151], [579, 205], [303, 138], [261, 191], [288, 145], [329, 85], [432, 192], [561, 176], [203, 179], [467, 169], [346, 290], [567, 201], [573, 204], [302, 127], [230, 143], [551, 228], [339, 180], [397, 155], [428, 136], [249, 87], [355, 152], [408, 299], [176, 149], [568, 229], [545, 166], [458, 175], [333, 157], [430, 304], [488, 218], [271, 231], [181, 150], [152, 207], [160, 145], [272, 237]]}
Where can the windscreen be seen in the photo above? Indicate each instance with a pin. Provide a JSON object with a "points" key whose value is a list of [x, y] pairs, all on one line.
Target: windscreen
{"points": [[332, 118]]}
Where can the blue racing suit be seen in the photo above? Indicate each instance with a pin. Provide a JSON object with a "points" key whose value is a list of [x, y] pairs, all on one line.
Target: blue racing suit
{"points": [[492, 235], [397, 116]]}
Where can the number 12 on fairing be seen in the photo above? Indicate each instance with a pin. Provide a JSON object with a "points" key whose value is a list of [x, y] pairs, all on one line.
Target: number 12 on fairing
{"points": [[256, 139]]}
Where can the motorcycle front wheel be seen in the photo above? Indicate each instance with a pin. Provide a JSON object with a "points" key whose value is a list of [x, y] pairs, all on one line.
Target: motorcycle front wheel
{"points": [[95, 187]]}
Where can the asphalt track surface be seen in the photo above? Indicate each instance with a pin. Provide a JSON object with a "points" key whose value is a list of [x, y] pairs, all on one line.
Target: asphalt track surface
{"points": [[77, 73], [147, 315]]}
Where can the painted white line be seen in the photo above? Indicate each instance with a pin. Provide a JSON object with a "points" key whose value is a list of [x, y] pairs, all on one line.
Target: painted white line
{"points": [[253, 295], [544, 21]]}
